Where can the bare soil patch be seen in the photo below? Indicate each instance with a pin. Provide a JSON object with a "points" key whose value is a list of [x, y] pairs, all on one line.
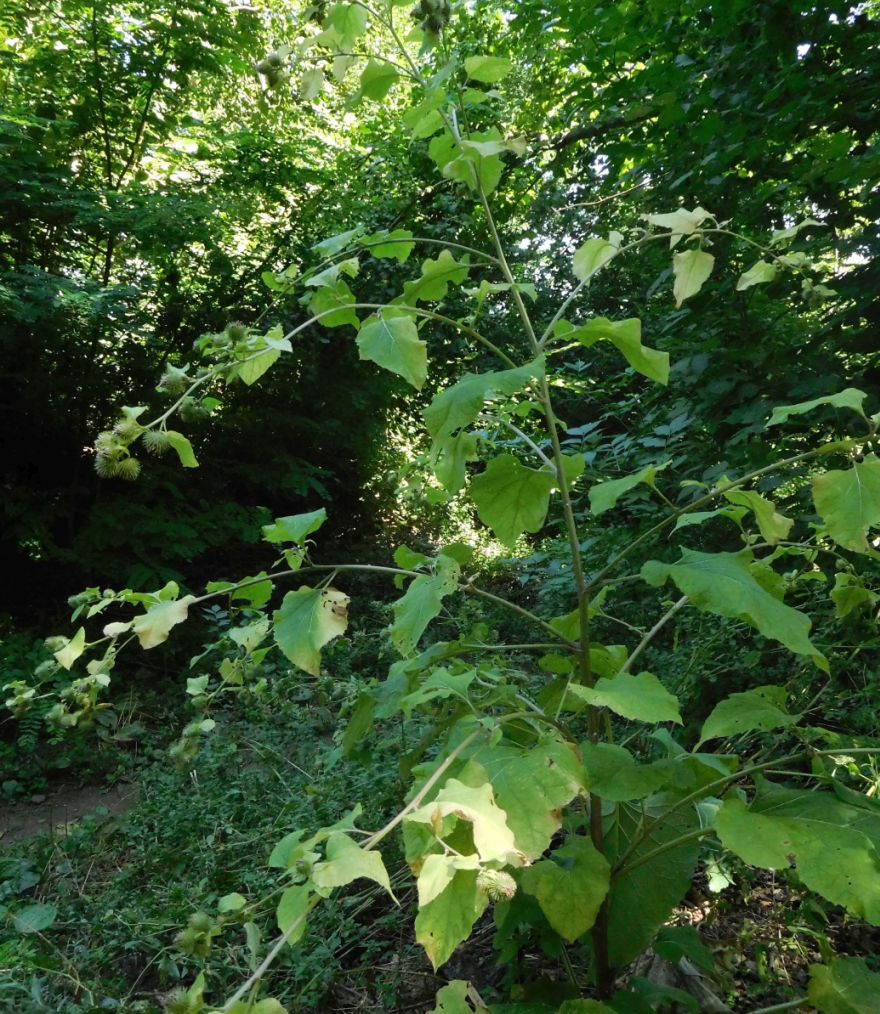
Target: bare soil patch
{"points": [[61, 808]]}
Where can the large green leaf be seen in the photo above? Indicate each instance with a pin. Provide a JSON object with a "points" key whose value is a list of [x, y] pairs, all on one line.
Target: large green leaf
{"points": [[448, 920], [723, 584], [849, 398], [251, 369], [690, 269], [487, 69], [397, 244], [349, 21], [377, 79], [421, 602], [760, 709], [614, 774], [642, 698], [183, 447], [571, 890], [441, 684], [459, 405], [295, 527], [393, 342], [847, 986], [450, 456], [34, 918], [642, 898], [511, 498], [626, 337], [345, 861], [308, 619], [453, 999], [293, 907], [815, 830], [604, 495], [333, 304], [532, 784], [772, 525], [849, 503], [433, 284], [474, 161], [849, 593]]}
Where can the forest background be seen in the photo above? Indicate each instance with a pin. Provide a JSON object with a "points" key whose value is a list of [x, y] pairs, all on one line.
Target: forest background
{"points": [[154, 183]]}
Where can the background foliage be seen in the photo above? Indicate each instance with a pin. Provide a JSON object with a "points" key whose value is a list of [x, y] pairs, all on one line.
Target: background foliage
{"points": [[150, 176]]}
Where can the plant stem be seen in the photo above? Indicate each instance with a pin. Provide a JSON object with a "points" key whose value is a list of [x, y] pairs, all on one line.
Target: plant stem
{"points": [[418, 798], [421, 240], [527, 440], [468, 588], [698, 832], [652, 633], [840, 445], [641, 241], [790, 1005], [604, 977], [719, 783]]}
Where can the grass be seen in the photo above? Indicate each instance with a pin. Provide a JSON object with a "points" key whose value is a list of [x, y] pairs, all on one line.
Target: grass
{"points": [[125, 888]]}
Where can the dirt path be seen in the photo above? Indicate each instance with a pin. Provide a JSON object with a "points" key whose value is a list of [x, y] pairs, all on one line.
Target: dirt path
{"points": [[63, 806]]}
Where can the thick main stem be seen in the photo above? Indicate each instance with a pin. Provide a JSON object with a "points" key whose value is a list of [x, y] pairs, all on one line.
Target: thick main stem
{"points": [[599, 933]]}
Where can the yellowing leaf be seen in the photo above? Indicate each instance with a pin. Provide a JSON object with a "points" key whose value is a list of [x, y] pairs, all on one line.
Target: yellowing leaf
{"points": [[153, 627], [72, 650], [345, 861], [591, 256], [493, 839], [759, 273], [681, 222], [690, 268], [437, 872], [308, 619], [532, 785]]}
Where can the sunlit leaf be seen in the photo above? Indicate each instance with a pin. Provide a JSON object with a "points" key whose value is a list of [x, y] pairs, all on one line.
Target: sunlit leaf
{"points": [[690, 270], [511, 498]]}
